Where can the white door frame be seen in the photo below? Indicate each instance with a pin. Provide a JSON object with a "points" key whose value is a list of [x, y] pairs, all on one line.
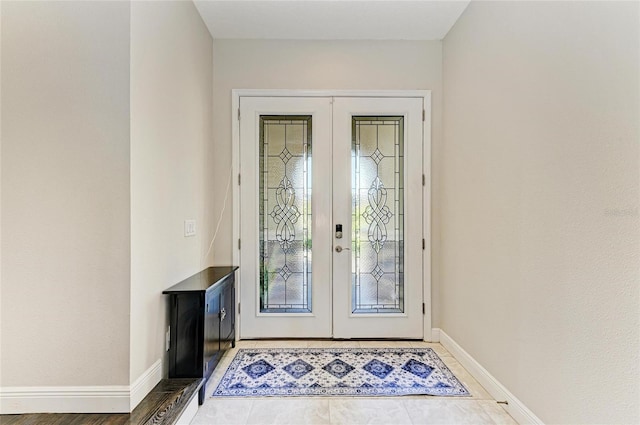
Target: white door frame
{"points": [[426, 161]]}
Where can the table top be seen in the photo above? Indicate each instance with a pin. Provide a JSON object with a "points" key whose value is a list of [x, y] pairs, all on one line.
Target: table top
{"points": [[201, 282]]}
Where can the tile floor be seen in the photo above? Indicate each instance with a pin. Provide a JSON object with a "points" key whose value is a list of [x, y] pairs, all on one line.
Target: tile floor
{"points": [[480, 408]]}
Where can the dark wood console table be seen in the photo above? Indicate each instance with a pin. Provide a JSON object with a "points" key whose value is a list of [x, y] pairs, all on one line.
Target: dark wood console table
{"points": [[202, 321]]}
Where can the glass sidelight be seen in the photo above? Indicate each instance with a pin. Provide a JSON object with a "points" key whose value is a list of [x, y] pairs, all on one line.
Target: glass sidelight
{"points": [[285, 214], [377, 180]]}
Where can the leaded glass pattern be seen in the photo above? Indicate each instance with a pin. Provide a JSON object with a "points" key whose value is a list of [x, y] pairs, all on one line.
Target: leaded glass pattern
{"points": [[285, 214], [377, 156]]}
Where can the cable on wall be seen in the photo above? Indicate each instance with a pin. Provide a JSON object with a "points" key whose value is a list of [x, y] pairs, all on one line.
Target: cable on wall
{"points": [[224, 206]]}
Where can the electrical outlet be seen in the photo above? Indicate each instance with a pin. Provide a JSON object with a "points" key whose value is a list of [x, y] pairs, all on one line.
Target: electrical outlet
{"points": [[167, 338], [189, 228]]}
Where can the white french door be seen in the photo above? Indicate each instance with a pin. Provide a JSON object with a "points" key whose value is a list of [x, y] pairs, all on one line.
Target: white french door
{"points": [[285, 210], [331, 207], [377, 194]]}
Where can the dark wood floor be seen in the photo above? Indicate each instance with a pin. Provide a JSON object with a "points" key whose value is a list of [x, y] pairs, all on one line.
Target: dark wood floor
{"points": [[163, 405], [65, 419]]}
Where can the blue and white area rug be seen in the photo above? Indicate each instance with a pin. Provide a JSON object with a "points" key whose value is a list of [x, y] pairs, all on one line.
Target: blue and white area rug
{"points": [[338, 372]]}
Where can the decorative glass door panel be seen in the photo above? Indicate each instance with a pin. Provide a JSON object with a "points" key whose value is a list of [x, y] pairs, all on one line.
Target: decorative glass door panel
{"points": [[377, 241], [285, 214]]}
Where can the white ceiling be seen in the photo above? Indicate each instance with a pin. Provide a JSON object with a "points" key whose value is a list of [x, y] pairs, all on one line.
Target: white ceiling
{"points": [[330, 19]]}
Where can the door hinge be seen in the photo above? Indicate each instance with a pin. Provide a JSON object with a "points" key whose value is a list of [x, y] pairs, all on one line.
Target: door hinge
{"points": [[424, 180], [423, 308], [424, 115], [238, 244], [238, 179], [239, 115], [423, 243], [238, 308]]}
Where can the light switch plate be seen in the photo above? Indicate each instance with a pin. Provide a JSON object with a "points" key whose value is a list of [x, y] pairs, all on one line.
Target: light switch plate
{"points": [[189, 228]]}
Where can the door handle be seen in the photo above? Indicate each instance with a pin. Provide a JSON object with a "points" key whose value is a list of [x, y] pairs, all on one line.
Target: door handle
{"points": [[340, 249]]}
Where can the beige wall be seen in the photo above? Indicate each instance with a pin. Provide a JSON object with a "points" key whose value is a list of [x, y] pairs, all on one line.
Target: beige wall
{"points": [[280, 64], [540, 197], [171, 163], [65, 193], [92, 222]]}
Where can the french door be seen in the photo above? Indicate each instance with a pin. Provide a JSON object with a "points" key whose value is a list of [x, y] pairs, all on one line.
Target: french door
{"points": [[331, 207], [285, 209]]}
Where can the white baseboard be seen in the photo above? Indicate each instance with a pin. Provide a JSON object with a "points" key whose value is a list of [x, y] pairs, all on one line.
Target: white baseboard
{"points": [[515, 407], [93, 399], [145, 383], [107, 399]]}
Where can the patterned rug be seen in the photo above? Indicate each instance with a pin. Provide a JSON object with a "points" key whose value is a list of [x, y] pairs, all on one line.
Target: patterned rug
{"points": [[338, 372]]}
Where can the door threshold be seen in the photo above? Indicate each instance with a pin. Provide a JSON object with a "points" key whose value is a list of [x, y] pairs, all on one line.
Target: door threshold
{"points": [[330, 339]]}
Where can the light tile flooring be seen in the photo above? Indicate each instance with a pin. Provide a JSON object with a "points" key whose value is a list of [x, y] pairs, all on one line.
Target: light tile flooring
{"points": [[480, 408]]}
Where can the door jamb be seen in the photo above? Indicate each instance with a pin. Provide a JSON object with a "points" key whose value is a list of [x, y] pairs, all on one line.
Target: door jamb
{"points": [[236, 94]]}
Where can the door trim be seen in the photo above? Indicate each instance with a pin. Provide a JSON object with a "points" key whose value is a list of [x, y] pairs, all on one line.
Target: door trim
{"points": [[426, 164]]}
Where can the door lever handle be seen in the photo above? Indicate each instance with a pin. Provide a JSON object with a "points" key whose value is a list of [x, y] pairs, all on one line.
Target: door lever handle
{"points": [[340, 249]]}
